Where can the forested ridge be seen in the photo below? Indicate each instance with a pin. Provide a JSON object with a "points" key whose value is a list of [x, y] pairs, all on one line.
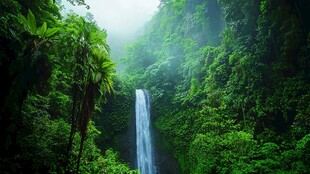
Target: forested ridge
{"points": [[229, 80]]}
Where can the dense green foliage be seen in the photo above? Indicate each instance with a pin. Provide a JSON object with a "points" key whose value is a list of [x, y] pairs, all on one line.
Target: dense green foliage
{"points": [[55, 71], [115, 120], [229, 80], [230, 83]]}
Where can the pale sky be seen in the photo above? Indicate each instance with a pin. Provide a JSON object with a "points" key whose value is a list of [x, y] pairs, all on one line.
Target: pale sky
{"points": [[118, 16]]}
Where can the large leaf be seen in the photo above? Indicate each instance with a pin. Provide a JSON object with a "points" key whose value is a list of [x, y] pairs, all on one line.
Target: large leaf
{"points": [[24, 21], [108, 65], [41, 31], [51, 31], [32, 22]]}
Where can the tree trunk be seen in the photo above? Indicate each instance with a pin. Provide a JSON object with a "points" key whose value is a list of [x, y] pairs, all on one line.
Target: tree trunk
{"points": [[80, 154]]}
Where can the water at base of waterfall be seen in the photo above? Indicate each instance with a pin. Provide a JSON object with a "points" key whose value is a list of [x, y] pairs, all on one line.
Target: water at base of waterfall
{"points": [[145, 159]]}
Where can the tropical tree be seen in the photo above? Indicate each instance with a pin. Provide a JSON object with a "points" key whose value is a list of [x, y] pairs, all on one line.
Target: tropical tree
{"points": [[92, 75]]}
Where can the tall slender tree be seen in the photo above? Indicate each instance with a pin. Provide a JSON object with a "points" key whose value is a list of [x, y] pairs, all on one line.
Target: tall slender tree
{"points": [[92, 76]]}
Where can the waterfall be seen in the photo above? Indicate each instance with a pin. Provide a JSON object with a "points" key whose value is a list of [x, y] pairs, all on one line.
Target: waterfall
{"points": [[143, 136]]}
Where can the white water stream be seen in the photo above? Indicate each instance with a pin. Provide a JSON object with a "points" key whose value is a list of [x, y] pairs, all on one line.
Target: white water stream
{"points": [[143, 136]]}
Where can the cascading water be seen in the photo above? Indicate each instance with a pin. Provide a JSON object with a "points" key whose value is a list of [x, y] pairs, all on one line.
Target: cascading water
{"points": [[143, 136]]}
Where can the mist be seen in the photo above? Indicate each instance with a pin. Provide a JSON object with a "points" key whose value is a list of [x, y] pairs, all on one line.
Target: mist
{"points": [[123, 20]]}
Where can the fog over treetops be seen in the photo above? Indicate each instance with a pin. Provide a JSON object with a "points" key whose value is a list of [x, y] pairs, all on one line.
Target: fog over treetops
{"points": [[123, 19]]}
